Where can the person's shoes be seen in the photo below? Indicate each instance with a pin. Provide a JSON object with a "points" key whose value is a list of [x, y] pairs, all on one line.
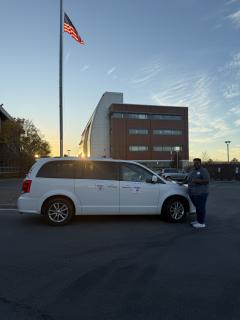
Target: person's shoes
{"points": [[193, 222], [198, 225]]}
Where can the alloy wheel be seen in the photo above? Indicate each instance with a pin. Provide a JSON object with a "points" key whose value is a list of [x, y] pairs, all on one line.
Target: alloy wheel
{"points": [[177, 210], [58, 212]]}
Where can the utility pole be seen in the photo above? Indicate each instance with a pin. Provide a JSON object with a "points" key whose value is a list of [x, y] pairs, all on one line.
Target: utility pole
{"points": [[60, 79], [227, 143], [177, 149]]}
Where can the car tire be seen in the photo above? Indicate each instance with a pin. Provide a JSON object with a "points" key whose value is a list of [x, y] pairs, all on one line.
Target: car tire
{"points": [[58, 211], [174, 209]]}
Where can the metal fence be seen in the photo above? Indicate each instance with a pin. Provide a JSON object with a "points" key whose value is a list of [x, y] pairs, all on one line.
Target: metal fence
{"points": [[9, 167], [224, 171]]}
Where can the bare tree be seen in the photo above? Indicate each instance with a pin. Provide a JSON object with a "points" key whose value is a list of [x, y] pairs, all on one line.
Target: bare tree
{"points": [[205, 156]]}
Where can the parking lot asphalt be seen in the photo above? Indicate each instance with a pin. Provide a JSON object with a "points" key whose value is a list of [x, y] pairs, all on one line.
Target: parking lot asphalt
{"points": [[123, 267]]}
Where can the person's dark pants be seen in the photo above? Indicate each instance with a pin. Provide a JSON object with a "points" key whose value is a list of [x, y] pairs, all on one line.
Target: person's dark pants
{"points": [[199, 202]]}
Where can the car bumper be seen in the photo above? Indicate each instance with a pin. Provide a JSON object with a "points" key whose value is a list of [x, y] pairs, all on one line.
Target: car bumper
{"points": [[27, 205]]}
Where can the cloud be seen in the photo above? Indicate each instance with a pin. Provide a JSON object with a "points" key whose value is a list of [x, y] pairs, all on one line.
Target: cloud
{"points": [[146, 74], [211, 118], [231, 91], [220, 125], [235, 63], [235, 18], [231, 66], [231, 2], [230, 77], [85, 67], [174, 92], [201, 140], [198, 93], [217, 129], [200, 129], [237, 123], [110, 71], [190, 91], [235, 110]]}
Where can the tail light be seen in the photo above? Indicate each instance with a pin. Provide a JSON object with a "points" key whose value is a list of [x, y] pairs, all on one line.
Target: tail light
{"points": [[26, 186]]}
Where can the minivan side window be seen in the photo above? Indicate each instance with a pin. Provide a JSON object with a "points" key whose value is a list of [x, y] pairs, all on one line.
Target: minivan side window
{"points": [[57, 169], [98, 170], [132, 172]]}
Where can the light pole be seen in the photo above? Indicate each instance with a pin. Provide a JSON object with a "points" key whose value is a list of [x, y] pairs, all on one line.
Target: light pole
{"points": [[227, 143], [177, 149], [171, 158]]}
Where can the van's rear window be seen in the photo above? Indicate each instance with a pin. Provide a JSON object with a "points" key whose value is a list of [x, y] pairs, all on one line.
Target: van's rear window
{"points": [[57, 169]]}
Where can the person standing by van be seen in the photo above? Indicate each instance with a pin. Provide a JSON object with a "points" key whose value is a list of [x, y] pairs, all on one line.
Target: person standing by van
{"points": [[198, 189]]}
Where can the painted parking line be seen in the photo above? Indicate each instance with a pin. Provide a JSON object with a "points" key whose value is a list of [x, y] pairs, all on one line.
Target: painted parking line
{"points": [[8, 209]]}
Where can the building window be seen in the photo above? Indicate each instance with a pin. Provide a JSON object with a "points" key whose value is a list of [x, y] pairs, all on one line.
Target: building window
{"points": [[138, 148], [166, 117], [138, 131], [162, 148], [168, 132], [137, 116], [165, 148], [117, 115], [144, 116]]}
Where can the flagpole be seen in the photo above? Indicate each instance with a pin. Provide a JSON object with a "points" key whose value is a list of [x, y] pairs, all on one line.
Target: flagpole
{"points": [[61, 79]]}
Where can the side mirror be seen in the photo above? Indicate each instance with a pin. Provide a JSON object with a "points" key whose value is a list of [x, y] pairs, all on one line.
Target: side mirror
{"points": [[154, 179]]}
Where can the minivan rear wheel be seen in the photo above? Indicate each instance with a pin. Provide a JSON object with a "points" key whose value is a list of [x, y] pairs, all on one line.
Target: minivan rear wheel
{"points": [[58, 211], [175, 209]]}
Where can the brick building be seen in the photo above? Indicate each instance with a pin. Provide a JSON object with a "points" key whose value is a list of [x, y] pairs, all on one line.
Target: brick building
{"points": [[136, 132]]}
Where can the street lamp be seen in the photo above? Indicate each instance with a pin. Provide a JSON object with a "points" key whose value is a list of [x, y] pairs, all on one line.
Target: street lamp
{"points": [[177, 149], [227, 143]]}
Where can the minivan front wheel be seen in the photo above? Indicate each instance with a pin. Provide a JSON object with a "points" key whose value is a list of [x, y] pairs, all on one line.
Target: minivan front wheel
{"points": [[58, 211], [174, 210]]}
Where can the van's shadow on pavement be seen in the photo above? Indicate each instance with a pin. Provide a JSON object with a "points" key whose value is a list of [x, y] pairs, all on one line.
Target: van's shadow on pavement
{"points": [[39, 220]]}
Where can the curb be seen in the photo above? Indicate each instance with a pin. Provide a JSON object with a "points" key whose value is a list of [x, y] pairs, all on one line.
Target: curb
{"points": [[7, 206]]}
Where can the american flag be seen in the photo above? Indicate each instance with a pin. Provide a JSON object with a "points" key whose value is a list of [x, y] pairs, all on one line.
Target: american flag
{"points": [[69, 28]]}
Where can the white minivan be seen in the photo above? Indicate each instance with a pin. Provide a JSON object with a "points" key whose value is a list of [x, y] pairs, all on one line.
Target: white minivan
{"points": [[60, 188]]}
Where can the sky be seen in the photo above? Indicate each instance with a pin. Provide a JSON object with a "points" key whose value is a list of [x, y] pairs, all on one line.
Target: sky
{"points": [[161, 52]]}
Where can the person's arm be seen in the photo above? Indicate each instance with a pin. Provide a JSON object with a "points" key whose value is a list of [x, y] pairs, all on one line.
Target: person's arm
{"points": [[205, 178], [186, 179], [200, 181]]}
